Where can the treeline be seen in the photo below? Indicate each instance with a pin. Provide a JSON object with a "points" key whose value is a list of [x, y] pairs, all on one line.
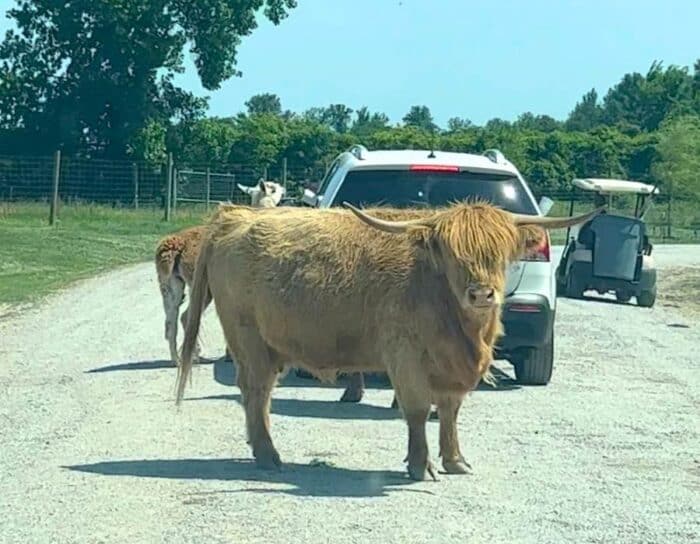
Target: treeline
{"points": [[95, 78], [647, 127]]}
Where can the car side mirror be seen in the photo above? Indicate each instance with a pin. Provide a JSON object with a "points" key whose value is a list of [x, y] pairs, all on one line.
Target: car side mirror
{"points": [[309, 198], [546, 204]]}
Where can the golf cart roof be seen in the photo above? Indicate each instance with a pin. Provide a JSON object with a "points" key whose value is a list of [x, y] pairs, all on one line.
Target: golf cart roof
{"points": [[607, 186]]}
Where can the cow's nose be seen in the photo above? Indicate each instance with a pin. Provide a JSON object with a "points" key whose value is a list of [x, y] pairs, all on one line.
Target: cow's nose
{"points": [[481, 296]]}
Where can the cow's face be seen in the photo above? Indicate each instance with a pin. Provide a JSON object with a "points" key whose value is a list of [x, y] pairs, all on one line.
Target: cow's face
{"points": [[472, 245], [273, 192]]}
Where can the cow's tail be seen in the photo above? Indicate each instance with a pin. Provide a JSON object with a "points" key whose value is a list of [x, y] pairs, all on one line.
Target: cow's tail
{"points": [[199, 298]]}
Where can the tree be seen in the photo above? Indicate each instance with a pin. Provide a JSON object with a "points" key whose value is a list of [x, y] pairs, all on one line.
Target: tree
{"points": [[338, 117], [455, 124], [264, 103], [420, 117], [586, 114], [679, 156], [367, 123], [92, 72], [643, 102], [542, 123]]}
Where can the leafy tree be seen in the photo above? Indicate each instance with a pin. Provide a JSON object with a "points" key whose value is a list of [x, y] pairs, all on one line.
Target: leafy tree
{"points": [[455, 124], [338, 117], [367, 123], [586, 114], [149, 142], [543, 123], [92, 72], [679, 156], [643, 102], [264, 103], [420, 117], [260, 140]]}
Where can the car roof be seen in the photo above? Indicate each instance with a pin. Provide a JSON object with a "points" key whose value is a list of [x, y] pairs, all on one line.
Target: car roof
{"points": [[405, 157], [609, 185]]}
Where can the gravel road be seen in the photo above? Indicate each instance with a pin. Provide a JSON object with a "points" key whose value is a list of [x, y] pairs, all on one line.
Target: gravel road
{"points": [[92, 448]]}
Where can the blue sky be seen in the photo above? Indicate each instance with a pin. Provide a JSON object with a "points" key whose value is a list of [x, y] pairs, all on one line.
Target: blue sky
{"points": [[470, 59]]}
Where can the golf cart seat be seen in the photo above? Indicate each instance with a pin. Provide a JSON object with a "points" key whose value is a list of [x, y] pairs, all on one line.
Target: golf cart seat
{"points": [[617, 245]]}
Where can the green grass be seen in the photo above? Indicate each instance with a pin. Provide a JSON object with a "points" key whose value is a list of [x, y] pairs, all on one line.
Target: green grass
{"points": [[36, 259]]}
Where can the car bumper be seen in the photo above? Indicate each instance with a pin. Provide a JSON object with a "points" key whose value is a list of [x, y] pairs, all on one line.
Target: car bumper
{"points": [[528, 321]]}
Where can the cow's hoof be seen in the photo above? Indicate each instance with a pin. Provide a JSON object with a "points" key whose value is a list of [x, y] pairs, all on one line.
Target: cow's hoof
{"points": [[352, 395], [268, 460], [458, 466], [420, 472]]}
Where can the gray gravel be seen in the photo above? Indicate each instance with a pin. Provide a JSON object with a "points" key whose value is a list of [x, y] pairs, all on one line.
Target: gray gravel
{"points": [[92, 448]]}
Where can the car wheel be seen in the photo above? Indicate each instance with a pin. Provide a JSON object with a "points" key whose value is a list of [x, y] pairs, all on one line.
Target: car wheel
{"points": [[622, 295], [533, 366], [646, 299]]}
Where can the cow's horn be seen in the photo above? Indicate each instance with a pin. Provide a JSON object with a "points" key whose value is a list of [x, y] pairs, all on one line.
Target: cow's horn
{"points": [[554, 222], [394, 227]]}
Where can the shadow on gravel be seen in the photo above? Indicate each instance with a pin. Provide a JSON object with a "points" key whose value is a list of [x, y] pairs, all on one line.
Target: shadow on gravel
{"points": [[313, 480], [322, 409], [141, 365], [225, 374]]}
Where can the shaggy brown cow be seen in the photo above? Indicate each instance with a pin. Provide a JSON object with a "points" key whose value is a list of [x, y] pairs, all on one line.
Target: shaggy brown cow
{"points": [[419, 299], [176, 255]]}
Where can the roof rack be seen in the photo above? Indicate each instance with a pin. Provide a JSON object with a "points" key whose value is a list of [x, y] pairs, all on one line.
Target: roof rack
{"points": [[359, 151], [494, 155]]}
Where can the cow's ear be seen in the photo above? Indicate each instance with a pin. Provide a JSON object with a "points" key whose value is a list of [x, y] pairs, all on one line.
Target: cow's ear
{"points": [[532, 237], [262, 186]]}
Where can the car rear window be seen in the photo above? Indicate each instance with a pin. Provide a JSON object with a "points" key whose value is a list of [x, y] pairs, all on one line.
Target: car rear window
{"points": [[405, 188]]}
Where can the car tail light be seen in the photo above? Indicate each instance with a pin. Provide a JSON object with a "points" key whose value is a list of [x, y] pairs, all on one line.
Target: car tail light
{"points": [[525, 308], [541, 252], [433, 168]]}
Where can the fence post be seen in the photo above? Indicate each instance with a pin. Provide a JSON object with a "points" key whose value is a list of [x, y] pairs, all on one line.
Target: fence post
{"points": [[135, 175], [668, 213], [53, 210], [208, 187], [168, 186], [233, 183], [175, 175], [265, 173], [284, 173]]}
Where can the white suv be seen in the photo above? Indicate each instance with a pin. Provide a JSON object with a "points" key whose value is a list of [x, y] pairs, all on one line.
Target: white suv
{"points": [[414, 178]]}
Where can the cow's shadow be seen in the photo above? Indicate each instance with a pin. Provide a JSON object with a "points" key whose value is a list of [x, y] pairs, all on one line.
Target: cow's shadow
{"points": [[142, 365], [316, 479]]}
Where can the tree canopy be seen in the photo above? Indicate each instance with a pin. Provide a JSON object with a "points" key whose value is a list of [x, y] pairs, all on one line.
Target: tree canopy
{"points": [[96, 78]]}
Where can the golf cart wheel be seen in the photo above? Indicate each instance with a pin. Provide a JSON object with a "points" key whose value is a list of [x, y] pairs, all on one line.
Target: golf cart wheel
{"points": [[646, 299], [622, 295], [574, 289], [533, 366]]}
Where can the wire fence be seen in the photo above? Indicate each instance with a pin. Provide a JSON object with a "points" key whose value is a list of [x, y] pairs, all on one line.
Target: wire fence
{"points": [[57, 181]]}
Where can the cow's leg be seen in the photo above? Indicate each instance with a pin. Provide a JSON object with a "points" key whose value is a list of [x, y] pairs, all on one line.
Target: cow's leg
{"points": [[355, 389], [413, 395], [257, 375], [173, 293], [452, 460]]}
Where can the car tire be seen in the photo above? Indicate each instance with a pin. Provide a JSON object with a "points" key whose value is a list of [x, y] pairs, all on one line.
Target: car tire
{"points": [[646, 299], [533, 366], [622, 296]]}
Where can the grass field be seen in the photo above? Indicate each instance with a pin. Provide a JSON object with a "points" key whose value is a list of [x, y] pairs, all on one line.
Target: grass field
{"points": [[36, 259]]}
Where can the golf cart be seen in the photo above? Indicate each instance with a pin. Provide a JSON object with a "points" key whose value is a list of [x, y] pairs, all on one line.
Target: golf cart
{"points": [[611, 252]]}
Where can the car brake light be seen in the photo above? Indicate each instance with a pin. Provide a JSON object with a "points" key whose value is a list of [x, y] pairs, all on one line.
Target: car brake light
{"points": [[541, 252], [433, 168], [525, 308]]}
